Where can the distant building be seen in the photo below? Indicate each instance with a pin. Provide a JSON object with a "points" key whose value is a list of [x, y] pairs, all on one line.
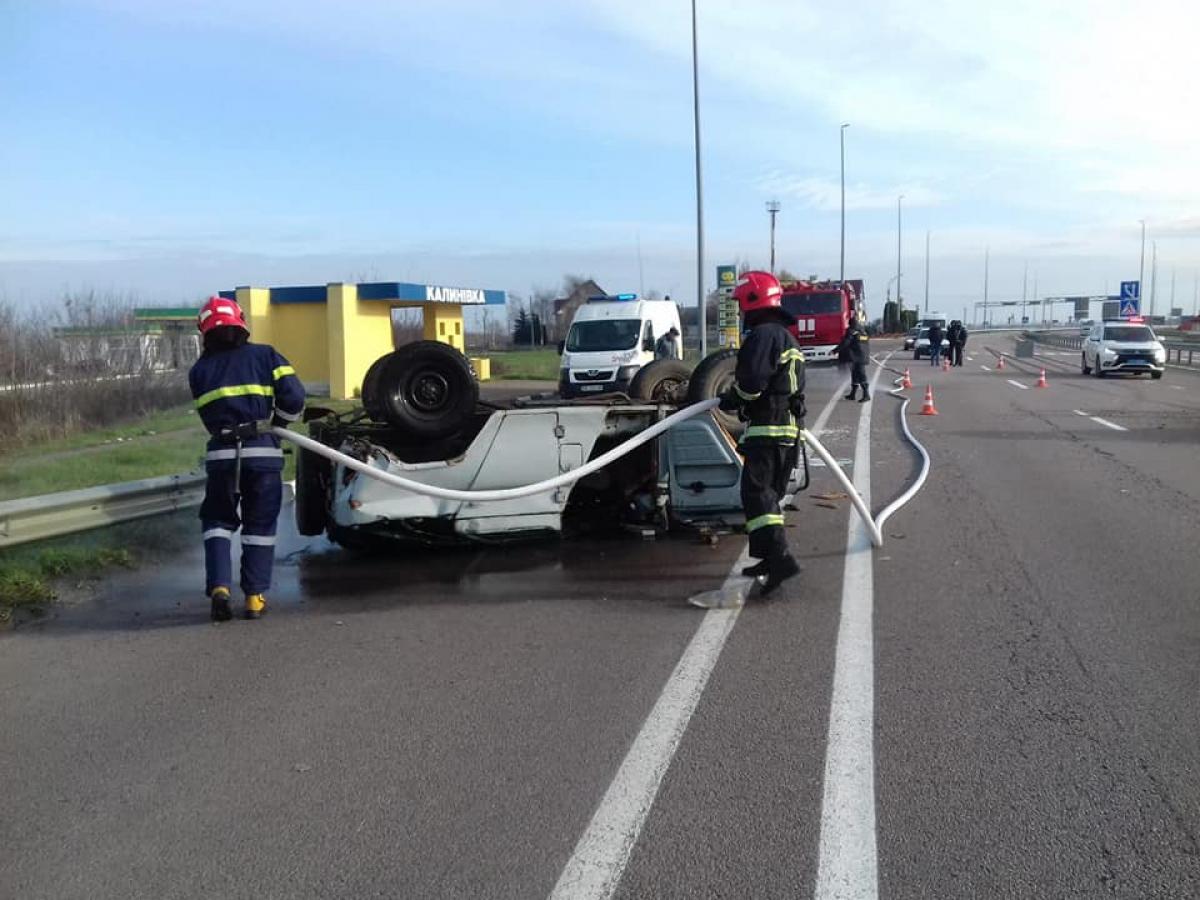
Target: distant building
{"points": [[565, 307]]}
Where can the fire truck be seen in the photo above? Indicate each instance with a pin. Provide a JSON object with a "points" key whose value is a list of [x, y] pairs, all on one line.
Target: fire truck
{"points": [[823, 310]]}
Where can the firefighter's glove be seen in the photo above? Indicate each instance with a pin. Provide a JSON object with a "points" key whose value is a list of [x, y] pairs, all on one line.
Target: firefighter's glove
{"points": [[731, 402]]}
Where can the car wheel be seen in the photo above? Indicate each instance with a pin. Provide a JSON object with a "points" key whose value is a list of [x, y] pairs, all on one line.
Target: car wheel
{"points": [[662, 381], [371, 396], [1087, 370], [916, 355], [313, 473], [713, 377], [1156, 375], [1097, 371], [425, 388]]}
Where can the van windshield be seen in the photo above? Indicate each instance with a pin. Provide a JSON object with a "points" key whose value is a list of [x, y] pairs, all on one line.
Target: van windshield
{"points": [[604, 334], [813, 304]]}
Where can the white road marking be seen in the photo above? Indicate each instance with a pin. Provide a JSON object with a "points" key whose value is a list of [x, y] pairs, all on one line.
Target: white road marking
{"points": [[985, 368], [847, 865], [599, 859], [1113, 425], [1018, 384], [1176, 387]]}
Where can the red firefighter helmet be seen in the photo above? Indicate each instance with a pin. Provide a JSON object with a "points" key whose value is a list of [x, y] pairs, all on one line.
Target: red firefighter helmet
{"points": [[217, 312], [758, 290]]}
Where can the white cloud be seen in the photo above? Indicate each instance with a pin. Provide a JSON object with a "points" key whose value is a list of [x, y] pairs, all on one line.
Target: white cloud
{"points": [[824, 194]]}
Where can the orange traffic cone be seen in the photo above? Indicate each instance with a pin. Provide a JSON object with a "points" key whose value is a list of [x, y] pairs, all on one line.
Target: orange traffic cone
{"points": [[945, 364], [1000, 365], [927, 409], [907, 380], [1042, 379]]}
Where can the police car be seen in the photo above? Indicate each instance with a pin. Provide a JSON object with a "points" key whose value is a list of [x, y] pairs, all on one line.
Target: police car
{"points": [[1123, 345]]}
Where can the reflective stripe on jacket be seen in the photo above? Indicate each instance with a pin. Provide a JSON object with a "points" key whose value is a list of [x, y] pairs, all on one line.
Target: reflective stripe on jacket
{"points": [[250, 383], [770, 378]]}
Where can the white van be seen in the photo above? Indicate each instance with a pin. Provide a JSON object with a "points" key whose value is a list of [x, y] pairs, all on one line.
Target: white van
{"points": [[611, 338]]}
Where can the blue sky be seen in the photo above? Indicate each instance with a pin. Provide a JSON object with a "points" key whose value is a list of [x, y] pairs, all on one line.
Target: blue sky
{"points": [[169, 149]]}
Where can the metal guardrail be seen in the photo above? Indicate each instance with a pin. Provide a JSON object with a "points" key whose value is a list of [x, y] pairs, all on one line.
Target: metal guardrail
{"points": [[51, 515]]}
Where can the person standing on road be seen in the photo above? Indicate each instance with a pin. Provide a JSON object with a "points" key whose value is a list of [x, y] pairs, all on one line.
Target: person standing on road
{"points": [[237, 387], [768, 393], [668, 345], [958, 343], [935, 344], [854, 350]]}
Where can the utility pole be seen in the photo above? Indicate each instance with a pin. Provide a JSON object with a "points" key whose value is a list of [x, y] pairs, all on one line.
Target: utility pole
{"points": [[842, 267], [699, 191], [899, 296], [927, 273], [773, 208], [1172, 306]]}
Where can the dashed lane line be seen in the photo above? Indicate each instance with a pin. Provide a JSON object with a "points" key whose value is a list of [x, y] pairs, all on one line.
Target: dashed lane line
{"points": [[1018, 384], [1113, 425], [598, 861], [985, 368]]}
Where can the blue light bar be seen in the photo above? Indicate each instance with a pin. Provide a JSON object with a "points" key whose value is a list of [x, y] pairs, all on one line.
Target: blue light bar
{"points": [[610, 298]]}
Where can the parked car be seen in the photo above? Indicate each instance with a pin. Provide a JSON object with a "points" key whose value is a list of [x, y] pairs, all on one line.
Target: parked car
{"points": [[921, 344], [1123, 345], [910, 337]]}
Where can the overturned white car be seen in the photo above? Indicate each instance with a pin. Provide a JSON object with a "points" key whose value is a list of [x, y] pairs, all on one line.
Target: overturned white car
{"points": [[422, 421]]}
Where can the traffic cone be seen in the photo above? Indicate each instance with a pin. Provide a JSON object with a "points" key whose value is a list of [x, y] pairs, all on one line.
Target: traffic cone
{"points": [[1041, 379], [907, 380], [945, 364], [927, 409], [1000, 365]]}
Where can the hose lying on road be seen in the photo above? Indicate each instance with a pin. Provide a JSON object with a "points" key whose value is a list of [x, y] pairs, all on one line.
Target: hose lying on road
{"points": [[920, 480], [566, 478]]}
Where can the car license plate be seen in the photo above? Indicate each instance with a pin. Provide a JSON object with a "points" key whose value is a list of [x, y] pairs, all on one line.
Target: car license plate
{"points": [[591, 387]]}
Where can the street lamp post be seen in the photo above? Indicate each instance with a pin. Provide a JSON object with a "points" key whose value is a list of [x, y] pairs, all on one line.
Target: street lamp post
{"points": [[842, 267], [1142, 263], [699, 191], [927, 271], [899, 296], [773, 208]]}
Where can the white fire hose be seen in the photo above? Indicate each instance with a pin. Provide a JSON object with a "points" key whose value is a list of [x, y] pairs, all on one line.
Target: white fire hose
{"points": [[566, 478]]}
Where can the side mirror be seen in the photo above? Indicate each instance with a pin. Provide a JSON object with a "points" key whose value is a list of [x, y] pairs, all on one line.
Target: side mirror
{"points": [[562, 345], [648, 345]]}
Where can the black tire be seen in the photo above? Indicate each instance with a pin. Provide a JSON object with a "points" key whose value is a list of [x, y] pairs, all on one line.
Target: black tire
{"points": [[916, 354], [1156, 375], [313, 473], [426, 389], [1097, 371], [712, 378], [370, 390], [1087, 370], [662, 381]]}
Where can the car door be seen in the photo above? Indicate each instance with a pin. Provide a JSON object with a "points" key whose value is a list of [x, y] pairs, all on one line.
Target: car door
{"points": [[1091, 347]]}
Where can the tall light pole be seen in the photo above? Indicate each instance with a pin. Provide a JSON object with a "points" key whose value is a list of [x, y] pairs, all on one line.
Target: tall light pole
{"points": [[1153, 274], [842, 267], [987, 251], [699, 191], [927, 271], [899, 296], [1142, 263], [773, 208]]}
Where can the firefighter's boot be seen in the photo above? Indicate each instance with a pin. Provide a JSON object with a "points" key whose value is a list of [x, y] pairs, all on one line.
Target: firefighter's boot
{"points": [[220, 604], [853, 392], [256, 605], [866, 395], [781, 568], [762, 567]]}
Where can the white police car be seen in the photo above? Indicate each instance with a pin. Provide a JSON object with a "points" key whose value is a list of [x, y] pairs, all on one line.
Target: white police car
{"points": [[1123, 345]]}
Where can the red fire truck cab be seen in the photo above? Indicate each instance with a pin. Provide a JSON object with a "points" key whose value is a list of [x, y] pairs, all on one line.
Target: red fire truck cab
{"points": [[823, 310]]}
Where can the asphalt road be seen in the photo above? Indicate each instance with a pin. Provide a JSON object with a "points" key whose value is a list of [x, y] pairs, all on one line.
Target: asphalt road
{"points": [[449, 725]]}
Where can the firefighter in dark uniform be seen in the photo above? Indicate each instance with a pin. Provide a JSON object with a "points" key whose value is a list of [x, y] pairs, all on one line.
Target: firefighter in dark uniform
{"points": [[238, 387], [769, 394], [854, 350]]}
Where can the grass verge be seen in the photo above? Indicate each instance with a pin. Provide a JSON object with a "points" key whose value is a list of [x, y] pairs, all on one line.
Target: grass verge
{"points": [[525, 365]]}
